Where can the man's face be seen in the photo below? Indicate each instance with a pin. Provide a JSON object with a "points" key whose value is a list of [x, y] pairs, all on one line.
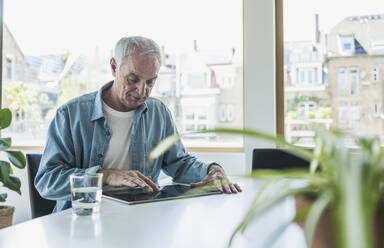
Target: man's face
{"points": [[134, 80]]}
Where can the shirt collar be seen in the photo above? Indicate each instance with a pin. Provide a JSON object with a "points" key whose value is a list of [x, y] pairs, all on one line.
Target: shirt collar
{"points": [[98, 105]]}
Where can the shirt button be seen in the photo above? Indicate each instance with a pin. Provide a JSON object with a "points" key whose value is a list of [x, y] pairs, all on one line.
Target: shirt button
{"points": [[99, 155]]}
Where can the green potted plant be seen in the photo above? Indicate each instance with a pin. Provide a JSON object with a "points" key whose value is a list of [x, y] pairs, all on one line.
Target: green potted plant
{"points": [[348, 189], [7, 179]]}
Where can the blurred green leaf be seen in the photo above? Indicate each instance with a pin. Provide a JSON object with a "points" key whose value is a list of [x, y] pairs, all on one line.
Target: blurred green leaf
{"points": [[270, 194], [5, 118], [5, 170], [274, 236], [13, 183], [3, 197], [17, 158], [163, 146], [300, 151], [5, 143]]}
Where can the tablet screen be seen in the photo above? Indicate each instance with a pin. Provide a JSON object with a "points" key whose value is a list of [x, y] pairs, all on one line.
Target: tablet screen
{"points": [[168, 192]]}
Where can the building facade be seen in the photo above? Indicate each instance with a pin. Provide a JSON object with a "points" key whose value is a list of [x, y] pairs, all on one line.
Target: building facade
{"points": [[355, 62]]}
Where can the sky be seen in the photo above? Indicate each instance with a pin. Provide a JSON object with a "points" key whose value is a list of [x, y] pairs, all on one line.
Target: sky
{"points": [[54, 26], [44, 26]]}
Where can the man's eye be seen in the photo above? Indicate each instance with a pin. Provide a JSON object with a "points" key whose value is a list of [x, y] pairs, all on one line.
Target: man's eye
{"points": [[133, 80], [150, 82]]}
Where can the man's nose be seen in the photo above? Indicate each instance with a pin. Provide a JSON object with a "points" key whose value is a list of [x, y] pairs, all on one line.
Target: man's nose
{"points": [[141, 88]]}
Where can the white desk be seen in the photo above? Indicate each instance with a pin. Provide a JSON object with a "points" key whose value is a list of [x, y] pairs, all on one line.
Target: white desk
{"points": [[199, 222]]}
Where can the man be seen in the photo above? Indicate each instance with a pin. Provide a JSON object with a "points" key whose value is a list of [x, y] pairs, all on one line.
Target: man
{"points": [[112, 132]]}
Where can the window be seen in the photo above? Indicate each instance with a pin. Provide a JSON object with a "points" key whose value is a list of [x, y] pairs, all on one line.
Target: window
{"points": [[302, 76], [230, 114], [343, 114], [354, 82], [347, 44], [202, 115], [50, 67], [342, 79], [223, 113], [227, 113], [376, 109], [310, 74], [190, 116]]}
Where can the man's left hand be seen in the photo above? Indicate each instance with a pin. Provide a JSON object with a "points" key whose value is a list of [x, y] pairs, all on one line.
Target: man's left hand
{"points": [[216, 176]]}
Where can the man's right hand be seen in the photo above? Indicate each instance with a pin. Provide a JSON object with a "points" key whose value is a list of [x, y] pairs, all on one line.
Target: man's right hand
{"points": [[130, 178]]}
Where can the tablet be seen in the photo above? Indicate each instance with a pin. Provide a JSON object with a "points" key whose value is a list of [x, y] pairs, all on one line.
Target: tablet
{"points": [[168, 192]]}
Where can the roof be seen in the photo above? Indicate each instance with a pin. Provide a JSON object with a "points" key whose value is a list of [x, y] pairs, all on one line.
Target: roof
{"points": [[367, 32]]}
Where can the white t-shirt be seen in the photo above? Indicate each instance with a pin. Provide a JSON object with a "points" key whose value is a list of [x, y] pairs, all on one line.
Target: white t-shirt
{"points": [[117, 155]]}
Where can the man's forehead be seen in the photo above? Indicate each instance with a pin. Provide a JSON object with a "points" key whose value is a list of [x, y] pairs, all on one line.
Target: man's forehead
{"points": [[142, 66]]}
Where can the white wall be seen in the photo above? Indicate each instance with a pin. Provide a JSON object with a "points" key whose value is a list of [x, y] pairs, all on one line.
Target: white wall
{"points": [[259, 81], [259, 71], [232, 162]]}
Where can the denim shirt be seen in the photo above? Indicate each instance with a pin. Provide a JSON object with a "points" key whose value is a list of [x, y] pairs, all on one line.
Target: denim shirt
{"points": [[78, 139]]}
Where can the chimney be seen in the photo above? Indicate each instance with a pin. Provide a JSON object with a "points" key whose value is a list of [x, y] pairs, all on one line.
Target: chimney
{"points": [[195, 45], [317, 31]]}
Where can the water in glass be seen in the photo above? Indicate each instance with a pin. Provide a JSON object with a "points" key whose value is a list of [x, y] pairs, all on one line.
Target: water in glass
{"points": [[86, 200]]}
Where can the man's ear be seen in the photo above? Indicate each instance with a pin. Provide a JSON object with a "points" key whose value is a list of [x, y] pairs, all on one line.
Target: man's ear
{"points": [[113, 64]]}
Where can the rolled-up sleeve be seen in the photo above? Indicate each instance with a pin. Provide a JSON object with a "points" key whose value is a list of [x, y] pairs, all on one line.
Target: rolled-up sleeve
{"points": [[58, 160]]}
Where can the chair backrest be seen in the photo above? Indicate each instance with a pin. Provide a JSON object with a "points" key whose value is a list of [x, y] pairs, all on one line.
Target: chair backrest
{"points": [[274, 158], [39, 205]]}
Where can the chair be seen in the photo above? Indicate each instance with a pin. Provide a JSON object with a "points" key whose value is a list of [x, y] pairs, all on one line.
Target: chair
{"points": [[276, 159], [39, 205]]}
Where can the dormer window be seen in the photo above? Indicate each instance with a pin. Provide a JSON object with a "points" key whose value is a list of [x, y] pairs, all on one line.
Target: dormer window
{"points": [[347, 44]]}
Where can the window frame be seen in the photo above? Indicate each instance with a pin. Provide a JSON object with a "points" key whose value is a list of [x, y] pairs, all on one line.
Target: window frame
{"points": [[279, 83], [190, 149]]}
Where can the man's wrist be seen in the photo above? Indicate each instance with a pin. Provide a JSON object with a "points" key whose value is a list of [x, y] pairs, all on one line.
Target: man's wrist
{"points": [[212, 165]]}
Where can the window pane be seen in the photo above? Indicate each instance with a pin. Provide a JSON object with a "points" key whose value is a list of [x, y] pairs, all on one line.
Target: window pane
{"points": [[344, 41], [68, 55]]}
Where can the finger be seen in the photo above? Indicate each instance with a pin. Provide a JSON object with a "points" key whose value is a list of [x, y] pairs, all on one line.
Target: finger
{"points": [[238, 187], [142, 184], [127, 182], [227, 189], [218, 185], [233, 188], [148, 181]]}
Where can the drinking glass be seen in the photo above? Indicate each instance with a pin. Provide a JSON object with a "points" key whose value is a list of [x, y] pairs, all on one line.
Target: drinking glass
{"points": [[86, 190]]}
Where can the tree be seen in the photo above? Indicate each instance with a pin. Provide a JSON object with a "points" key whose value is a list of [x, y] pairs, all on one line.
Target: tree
{"points": [[24, 102]]}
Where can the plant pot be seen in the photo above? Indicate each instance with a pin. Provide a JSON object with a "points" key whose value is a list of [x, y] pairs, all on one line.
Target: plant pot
{"points": [[6, 214], [324, 235], [323, 232]]}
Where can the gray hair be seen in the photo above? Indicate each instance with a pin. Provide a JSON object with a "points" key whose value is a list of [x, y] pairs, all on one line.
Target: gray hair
{"points": [[136, 44]]}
